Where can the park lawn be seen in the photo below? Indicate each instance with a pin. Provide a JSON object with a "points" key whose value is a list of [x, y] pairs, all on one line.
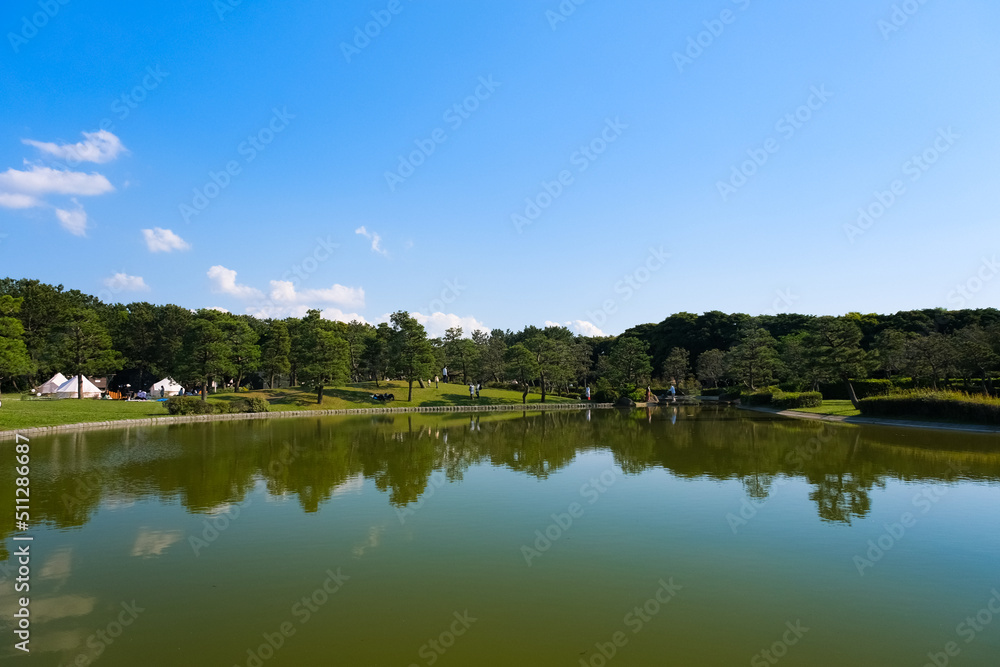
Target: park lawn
{"points": [[359, 396], [838, 408], [16, 414]]}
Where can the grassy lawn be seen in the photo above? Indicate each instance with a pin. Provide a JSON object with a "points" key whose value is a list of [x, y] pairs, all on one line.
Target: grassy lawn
{"points": [[16, 413], [25, 414], [839, 408], [359, 396]]}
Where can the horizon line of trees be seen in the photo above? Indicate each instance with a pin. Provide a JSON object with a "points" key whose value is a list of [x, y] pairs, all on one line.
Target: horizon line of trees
{"points": [[45, 329]]}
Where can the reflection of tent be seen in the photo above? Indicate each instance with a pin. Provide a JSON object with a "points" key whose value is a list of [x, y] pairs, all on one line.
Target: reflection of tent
{"points": [[52, 385], [68, 389], [170, 388]]}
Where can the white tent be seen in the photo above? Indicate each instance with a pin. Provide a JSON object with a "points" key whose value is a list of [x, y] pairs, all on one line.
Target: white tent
{"points": [[68, 389], [170, 388], [52, 385]]}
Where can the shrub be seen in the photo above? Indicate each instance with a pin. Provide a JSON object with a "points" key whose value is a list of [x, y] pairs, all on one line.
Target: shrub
{"points": [[714, 391], [760, 397], [784, 400], [689, 387], [192, 405], [948, 405], [863, 388], [254, 404], [604, 392], [792, 400], [189, 405]]}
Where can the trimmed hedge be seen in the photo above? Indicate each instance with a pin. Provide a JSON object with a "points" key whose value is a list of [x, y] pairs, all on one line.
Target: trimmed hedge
{"points": [[759, 397], [192, 405], [837, 391], [189, 405], [948, 405], [253, 404], [792, 400], [784, 400]]}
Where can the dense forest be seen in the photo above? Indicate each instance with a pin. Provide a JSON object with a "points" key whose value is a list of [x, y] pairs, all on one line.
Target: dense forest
{"points": [[46, 329]]}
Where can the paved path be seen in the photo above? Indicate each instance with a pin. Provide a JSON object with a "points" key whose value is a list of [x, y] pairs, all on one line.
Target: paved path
{"points": [[878, 421]]}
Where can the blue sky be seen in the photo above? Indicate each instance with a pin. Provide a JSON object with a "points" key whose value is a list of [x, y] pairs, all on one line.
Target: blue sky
{"points": [[268, 157]]}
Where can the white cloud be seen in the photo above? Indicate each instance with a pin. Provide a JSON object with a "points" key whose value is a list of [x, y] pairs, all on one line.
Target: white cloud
{"points": [[150, 543], [100, 147], [338, 315], [281, 312], [271, 311], [375, 239], [163, 240], [224, 282], [437, 323], [15, 200], [221, 310], [585, 328], [39, 180], [25, 188], [75, 222], [122, 282], [580, 327], [283, 291]]}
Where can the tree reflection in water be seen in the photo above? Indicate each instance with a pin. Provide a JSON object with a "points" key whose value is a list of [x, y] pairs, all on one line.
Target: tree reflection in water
{"points": [[207, 466]]}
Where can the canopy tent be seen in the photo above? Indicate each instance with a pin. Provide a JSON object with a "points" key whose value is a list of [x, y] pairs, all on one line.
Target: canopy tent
{"points": [[169, 387], [68, 389], [52, 385]]}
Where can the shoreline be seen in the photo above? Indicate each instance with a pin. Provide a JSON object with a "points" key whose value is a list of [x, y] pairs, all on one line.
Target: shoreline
{"points": [[166, 420], [876, 421]]}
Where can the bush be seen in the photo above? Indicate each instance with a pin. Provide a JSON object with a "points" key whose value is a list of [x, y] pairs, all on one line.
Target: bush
{"points": [[863, 388], [948, 405], [603, 392], [763, 397], [714, 391], [689, 387], [784, 400], [792, 400], [192, 405], [253, 404], [189, 405]]}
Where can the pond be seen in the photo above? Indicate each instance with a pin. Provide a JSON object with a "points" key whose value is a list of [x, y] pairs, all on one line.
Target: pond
{"points": [[677, 536]]}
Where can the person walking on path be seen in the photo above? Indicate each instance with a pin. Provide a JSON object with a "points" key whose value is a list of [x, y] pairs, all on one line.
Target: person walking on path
{"points": [[479, 386], [435, 381], [588, 392], [471, 390], [673, 393]]}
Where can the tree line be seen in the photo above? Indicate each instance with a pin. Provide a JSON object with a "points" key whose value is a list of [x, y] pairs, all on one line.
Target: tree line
{"points": [[46, 328]]}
